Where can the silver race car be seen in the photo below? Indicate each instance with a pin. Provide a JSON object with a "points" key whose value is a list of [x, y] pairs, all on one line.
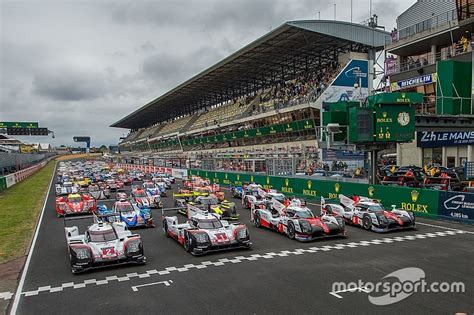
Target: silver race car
{"points": [[103, 244], [204, 232]]}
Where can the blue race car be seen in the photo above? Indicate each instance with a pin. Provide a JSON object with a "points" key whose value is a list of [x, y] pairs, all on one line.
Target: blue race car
{"points": [[124, 211]]}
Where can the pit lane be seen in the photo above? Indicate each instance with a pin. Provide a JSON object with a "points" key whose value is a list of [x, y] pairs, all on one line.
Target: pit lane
{"points": [[278, 275]]}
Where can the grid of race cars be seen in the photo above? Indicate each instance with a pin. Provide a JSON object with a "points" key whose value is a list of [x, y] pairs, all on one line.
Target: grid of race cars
{"points": [[202, 219]]}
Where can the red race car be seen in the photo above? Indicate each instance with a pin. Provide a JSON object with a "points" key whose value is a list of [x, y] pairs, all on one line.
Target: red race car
{"points": [[75, 204]]}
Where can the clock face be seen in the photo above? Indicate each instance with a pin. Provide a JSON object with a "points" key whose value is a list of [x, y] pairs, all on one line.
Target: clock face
{"points": [[403, 118]]}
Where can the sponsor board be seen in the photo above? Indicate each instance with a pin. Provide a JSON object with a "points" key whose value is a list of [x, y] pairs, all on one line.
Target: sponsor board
{"points": [[456, 206], [416, 81], [433, 139]]}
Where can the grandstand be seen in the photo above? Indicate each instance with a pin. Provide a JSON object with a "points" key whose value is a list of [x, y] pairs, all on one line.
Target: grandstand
{"points": [[267, 95]]}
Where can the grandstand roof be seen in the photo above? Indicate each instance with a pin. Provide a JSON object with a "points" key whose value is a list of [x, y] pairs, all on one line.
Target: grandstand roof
{"points": [[284, 52]]}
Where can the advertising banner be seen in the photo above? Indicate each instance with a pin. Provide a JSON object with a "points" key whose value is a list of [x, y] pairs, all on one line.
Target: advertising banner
{"points": [[457, 206], [423, 202], [412, 82], [179, 173], [433, 139], [10, 180]]}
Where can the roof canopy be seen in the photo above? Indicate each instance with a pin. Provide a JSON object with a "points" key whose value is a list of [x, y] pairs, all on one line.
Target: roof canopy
{"points": [[283, 53]]}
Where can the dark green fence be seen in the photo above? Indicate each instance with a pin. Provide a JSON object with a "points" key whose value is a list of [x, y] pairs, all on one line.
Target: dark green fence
{"points": [[424, 202]]}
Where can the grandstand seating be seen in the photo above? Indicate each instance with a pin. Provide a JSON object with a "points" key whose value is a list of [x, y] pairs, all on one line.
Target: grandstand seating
{"points": [[174, 126], [222, 114], [150, 132]]}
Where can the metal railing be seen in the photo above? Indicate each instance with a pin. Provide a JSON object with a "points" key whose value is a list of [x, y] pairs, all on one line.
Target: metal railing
{"points": [[428, 24]]}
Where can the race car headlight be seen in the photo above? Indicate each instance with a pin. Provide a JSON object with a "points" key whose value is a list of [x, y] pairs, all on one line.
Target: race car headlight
{"points": [[305, 226], [201, 237], [133, 247], [242, 233], [82, 253]]}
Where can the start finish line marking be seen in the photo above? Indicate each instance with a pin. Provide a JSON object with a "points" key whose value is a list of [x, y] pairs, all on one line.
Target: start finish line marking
{"points": [[166, 283]]}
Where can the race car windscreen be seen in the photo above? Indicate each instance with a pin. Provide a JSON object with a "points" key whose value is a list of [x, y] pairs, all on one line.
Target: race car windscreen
{"points": [[376, 208], [149, 185], [124, 207], [209, 224], [140, 193], [102, 236], [304, 214], [75, 199], [279, 197]]}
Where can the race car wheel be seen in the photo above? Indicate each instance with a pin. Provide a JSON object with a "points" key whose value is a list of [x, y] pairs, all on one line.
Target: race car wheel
{"points": [[291, 230], [165, 228], [188, 243], [367, 223], [257, 220]]}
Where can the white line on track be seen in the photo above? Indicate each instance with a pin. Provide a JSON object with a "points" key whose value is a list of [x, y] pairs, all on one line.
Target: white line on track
{"points": [[237, 259], [359, 289], [32, 248], [166, 283], [443, 227]]}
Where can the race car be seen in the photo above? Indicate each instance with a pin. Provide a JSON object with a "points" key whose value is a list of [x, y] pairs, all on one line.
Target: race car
{"points": [[82, 181], [129, 213], [296, 220], [153, 193], [225, 210], [204, 232], [112, 184], [98, 192], [66, 188], [371, 215], [75, 204], [261, 196], [103, 244], [238, 191], [163, 181], [121, 196], [140, 197]]}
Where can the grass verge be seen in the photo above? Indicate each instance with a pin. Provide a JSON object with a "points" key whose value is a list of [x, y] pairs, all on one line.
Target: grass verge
{"points": [[20, 206]]}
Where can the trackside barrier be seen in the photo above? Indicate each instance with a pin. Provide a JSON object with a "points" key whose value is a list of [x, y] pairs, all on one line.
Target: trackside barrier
{"points": [[423, 202], [12, 179]]}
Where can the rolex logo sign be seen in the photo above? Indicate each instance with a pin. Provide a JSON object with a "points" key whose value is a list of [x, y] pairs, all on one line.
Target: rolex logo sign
{"points": [[287, 181], [371, 191], [206, 174], [310, 184], [251, 178], [268, 180], [414, 195], [337, 187], [226, 176], [238, 177]]}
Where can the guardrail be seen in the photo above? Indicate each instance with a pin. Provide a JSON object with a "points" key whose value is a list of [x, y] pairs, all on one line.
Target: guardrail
{"points": [[11, 179]]}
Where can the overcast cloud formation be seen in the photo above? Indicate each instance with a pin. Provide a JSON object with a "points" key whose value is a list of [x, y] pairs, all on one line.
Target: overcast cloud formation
{"points": [[78, 66]]}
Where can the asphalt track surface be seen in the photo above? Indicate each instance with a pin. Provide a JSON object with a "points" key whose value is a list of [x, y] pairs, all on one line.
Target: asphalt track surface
{"points": [[277, 275]]}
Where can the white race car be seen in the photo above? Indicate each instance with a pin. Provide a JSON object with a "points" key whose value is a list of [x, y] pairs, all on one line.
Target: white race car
{"points": [[205, 232], [103, 244], [66, 188], [370, 214], [296, 220]]}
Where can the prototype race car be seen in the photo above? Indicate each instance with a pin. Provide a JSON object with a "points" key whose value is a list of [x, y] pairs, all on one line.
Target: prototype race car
{"points": [[103, 244], [204, 232], [66, 188], [75, 204], [371, 215], [98, 192], [224, 209], [296, 221], [127, 212], [140, 197], [154, 193]]}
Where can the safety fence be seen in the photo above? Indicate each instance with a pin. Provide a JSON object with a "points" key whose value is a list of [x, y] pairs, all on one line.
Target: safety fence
{"points": [[427, 203], [11, 179]]}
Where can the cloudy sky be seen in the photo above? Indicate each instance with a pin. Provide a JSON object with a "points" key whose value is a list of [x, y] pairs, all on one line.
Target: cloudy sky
{"points": [[78, 66]]}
